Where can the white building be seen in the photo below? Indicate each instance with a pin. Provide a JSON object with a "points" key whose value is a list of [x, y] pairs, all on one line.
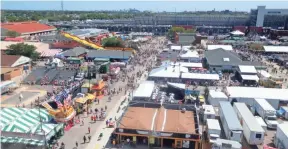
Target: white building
{"points": [[190, 56], [215, 96], [262, 11], [248, 94]]}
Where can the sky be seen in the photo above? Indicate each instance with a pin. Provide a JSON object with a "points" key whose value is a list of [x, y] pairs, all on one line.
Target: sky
{"points": [[142, 5]]}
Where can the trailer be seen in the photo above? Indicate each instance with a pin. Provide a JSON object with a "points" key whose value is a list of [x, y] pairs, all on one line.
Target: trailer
{"points": [[281, 136], [261, 123], [213, 129], [252, 131], [231, 125], [225, 144], [267, 112]]}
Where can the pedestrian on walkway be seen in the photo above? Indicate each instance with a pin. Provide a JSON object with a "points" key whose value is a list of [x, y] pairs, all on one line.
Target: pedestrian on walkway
{"points": [[105, 108], [82, 122], [84, 139], [89, 130], [76, 144], [89, 138]]}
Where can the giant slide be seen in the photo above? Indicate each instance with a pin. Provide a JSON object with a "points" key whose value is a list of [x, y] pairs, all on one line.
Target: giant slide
{"points": [[82, 41]]}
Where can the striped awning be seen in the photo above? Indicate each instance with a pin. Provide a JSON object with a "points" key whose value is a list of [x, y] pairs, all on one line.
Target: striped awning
{"points": [[8, 115], [22, 141], [21, 119]]}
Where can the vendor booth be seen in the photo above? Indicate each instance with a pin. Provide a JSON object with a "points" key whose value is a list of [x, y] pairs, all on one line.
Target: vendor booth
{"points": [[98, 88], [83, 101]]}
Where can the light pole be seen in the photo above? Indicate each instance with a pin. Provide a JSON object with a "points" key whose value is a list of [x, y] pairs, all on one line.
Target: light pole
{"points": [[41, 127]]}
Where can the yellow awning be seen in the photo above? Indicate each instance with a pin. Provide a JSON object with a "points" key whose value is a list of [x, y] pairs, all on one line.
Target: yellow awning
{"points": [[81, 100], [86, 85], [90, 96], [201, 98]]}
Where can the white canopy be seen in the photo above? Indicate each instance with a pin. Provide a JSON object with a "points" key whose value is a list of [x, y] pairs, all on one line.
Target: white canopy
{"points": [[247, 69], [276, 49], [190, 54], [250, 77], [200, 76], [264, 73], [225, 47], [145, 89], [168, 72], [177, 85], [237, 32], [176, 48]]}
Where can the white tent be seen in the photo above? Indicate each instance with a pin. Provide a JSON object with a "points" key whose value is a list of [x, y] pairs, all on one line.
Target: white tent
{"points": [[237, 33]]}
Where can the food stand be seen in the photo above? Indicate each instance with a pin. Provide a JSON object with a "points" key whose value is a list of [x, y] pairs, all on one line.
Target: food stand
{"points": [[98, 88]]}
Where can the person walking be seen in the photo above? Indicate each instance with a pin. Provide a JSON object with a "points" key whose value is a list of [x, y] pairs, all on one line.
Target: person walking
{"points": [[76, 144], [89, 130], [84, 139], [89, 138]]}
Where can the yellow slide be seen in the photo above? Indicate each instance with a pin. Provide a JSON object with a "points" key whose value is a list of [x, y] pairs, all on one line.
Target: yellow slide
{"points": [[82, 41]]}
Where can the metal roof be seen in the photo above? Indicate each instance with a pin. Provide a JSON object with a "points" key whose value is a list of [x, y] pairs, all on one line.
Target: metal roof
{"points": [[222, 57], [75, 52], [109, 54], [247, 69], [230, 116], [213, 124], [215, 57], [253, 92]]}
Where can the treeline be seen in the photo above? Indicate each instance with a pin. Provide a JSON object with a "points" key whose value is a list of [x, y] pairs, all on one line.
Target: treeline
{"points": [[20, 15]]}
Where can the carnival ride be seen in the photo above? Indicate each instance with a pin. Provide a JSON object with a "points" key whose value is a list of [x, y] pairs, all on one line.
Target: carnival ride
{"points": [[82, 41], [61, 114], [97, 45]]}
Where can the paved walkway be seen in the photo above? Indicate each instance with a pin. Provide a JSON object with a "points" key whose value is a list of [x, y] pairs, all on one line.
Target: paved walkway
{"points": [[77, 132], [98, 144]]}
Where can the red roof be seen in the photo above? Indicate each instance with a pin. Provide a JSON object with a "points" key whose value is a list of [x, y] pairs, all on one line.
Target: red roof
{"points": [[17, 39], [26, 27]]}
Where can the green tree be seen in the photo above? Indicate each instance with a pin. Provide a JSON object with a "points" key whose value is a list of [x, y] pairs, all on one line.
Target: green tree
{"points": [[23, 49], [12, 34], [112, 42]]}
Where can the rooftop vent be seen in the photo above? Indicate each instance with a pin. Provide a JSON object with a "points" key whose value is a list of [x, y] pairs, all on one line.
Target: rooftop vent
{"points": [[226, 59]]}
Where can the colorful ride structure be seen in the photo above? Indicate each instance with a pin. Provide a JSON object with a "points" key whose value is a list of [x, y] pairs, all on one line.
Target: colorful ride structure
{"points": [[64, 113], [83, 41]]}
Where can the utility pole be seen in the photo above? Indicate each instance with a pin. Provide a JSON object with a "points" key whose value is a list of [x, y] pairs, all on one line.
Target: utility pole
{"points": [[62, 6]]}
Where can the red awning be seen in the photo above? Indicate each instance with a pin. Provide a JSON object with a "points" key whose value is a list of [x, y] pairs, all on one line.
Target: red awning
{"points": [[18, 39]]}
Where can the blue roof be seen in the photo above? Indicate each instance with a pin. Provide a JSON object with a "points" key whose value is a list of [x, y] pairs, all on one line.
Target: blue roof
{"points": [[230, 116]]}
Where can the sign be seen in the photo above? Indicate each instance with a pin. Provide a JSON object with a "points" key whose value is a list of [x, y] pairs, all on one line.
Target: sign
{"points": [[151, 140]]}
